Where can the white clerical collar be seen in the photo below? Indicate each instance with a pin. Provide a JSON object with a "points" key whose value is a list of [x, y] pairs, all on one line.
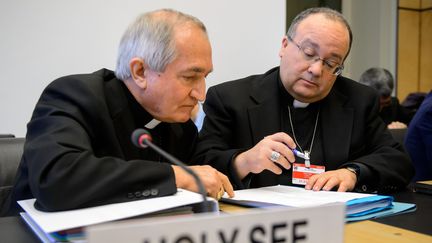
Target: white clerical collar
{"points": [[298, 104], [152, 124]]}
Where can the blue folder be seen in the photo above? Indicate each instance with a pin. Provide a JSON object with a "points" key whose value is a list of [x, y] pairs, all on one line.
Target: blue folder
{"points": [[357, 209]]}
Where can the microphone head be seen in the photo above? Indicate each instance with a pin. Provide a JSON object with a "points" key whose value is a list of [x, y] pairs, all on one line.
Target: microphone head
{"points": [[139, 136]]}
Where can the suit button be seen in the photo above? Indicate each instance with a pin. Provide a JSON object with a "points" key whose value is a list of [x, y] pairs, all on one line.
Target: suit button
{"points": [[138, 194], [364, 188], [146, 193], [154, 192], [130, 195]]}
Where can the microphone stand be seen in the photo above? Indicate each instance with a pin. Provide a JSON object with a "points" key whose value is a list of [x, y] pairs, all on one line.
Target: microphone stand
{"points": [[205, 206]]}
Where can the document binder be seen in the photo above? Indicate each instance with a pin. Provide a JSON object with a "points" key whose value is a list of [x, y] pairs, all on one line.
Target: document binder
{"points": [[359, 206], [422, 187]]}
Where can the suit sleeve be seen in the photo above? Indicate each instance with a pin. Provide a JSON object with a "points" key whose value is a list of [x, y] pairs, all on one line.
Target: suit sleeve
{"points": [[73, 156], [389, 165], [214, 147]]}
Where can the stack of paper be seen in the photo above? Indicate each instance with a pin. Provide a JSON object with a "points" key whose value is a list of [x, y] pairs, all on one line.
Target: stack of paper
{"points": [[422, 187], [67, 225], [360, 206]]}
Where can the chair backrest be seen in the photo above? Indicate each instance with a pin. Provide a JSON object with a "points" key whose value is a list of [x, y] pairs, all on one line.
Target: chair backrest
{"points": [[399, 134], [11, 150], [8, 135]]}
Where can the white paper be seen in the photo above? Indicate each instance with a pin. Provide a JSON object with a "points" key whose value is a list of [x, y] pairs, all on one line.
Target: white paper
{"points": [[56, 221], [295, 196]]}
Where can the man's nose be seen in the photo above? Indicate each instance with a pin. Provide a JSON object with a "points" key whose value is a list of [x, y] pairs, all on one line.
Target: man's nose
{"points": [[198, 92]]}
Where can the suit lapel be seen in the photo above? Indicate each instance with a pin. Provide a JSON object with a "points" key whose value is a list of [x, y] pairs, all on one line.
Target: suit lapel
{"points": [[264, 119], [336, 122], [122, 118]]}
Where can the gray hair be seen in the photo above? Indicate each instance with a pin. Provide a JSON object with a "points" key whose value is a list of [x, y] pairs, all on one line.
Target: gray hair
{"points": [[380, 79], [151, 38], [328, 13]]}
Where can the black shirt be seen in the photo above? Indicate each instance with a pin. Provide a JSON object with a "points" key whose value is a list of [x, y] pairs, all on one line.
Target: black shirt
{"points": [[303, 121]]}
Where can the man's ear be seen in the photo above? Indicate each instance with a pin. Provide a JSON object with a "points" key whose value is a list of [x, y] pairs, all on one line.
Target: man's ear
{"points": [[138, 72], [283, 46]]}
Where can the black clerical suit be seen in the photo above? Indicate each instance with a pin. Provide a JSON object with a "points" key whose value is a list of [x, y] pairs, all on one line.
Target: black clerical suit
{"points": [[395, 112], [78, 149], [241, 113]]}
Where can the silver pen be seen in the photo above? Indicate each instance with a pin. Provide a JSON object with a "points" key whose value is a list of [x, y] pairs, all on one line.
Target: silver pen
{"points": [[305, 156]]}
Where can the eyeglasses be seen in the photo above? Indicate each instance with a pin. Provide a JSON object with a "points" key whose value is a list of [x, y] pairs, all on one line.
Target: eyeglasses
{"points": [[310, 55]]}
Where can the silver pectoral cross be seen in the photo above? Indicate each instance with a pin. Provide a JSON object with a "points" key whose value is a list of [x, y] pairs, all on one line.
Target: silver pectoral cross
{"points": [[307, 158]]}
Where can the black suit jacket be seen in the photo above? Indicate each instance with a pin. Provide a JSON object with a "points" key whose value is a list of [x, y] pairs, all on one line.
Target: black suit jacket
{"points": [[396, 112], [240, 113], [78, 149]]}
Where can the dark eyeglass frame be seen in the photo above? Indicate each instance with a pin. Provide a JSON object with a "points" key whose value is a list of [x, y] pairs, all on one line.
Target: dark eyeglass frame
{"points": [[335, 69]]}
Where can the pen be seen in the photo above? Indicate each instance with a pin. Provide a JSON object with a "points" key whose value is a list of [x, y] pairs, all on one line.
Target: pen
{"points": [[304, 156], [298, 153]]}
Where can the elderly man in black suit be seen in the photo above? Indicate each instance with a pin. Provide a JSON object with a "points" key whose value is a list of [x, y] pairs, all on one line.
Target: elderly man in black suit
{"points": [[78, 151], [303, 112]]}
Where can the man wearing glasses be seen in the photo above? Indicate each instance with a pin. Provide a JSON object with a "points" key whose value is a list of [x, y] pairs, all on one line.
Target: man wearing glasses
{"points": [[302, 123]]}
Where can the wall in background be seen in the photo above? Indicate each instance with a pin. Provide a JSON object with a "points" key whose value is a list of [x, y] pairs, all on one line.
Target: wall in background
{"points": [[374, 26], [414, 47], [45, 39]]}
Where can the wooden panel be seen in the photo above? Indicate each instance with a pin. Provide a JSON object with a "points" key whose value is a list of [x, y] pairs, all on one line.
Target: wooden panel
{"points": [[426, 51], [408, 53], [373, 232], [409, 4], [426, 4]]}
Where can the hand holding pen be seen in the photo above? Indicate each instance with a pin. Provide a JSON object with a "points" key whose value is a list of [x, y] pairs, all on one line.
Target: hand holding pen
{"points": [[271, 153]]}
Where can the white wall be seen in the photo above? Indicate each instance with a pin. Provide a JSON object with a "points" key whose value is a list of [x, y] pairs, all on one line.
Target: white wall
{"points": [[45, 39], [374, 26]]}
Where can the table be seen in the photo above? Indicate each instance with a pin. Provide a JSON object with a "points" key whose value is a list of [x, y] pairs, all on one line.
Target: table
{"points": [[419, 221], [408, 227], [15, 230]]}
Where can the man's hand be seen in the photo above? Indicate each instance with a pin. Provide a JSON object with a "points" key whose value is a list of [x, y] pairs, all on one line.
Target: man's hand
{"points": [[257, 159], [344, 179], [396, 125], [214, 182]]}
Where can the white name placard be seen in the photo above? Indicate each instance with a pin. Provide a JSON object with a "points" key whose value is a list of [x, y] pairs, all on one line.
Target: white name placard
{"points": [[314, 224]]}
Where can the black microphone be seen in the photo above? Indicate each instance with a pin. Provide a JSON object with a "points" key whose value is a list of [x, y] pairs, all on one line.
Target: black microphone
{"points": [[143, 139]]}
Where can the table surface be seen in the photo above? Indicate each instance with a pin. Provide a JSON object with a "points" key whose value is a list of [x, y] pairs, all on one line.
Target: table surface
{"points": [[374, 232], [15, 230], [418, 221], [407, 227]]}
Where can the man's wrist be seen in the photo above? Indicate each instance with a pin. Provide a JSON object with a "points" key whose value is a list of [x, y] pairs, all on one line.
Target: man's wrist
{"points": [[366, 178], [232, 172], [354, 169], [239, 165]]}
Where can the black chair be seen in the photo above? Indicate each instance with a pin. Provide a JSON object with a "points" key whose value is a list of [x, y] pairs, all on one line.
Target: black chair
{"points": [[11, 150], [7, 136], [399, 134]]}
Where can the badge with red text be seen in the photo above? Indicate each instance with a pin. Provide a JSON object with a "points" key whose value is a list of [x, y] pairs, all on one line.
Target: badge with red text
{"points": [[301, 173]]}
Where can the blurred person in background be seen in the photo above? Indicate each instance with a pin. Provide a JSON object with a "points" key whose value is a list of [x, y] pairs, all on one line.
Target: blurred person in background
{"points": [[418, 140], [394, 115]]}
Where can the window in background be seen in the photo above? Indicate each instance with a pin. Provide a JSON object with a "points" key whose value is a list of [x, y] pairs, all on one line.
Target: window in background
{"points": [[293, 7]]}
